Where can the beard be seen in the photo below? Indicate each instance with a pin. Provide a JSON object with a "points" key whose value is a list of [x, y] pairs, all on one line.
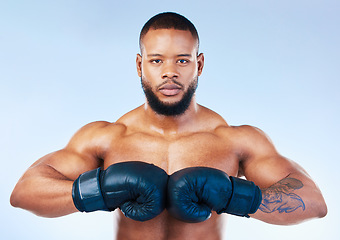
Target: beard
{"points": [[166, 108]]}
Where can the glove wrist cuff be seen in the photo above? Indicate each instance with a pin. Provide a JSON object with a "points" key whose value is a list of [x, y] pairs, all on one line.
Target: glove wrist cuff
{"points": [[86, 192], [245, 199]]}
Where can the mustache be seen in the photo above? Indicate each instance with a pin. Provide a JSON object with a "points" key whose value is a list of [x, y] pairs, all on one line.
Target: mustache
{"points": [[170, 80]]}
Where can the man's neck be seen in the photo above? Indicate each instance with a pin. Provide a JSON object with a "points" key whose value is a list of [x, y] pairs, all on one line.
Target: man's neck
{"points": [[170, 125]]}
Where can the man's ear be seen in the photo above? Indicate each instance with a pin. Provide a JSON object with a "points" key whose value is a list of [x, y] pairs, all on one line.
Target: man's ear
{"points": [[139, 64], [200, 63]]}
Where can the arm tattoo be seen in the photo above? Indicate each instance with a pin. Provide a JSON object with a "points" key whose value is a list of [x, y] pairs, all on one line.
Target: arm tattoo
{"points": [[280, 197]]}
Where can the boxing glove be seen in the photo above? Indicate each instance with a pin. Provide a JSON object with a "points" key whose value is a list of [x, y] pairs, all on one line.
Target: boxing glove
{"points": [[137, 188], [196, 191]]}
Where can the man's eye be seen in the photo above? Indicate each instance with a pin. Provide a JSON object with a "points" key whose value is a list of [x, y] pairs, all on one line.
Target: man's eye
{"points": [[183, 61], [156, 61]]}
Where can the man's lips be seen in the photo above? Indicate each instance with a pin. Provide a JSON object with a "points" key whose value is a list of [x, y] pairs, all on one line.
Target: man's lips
{"points": [[170, 89]]}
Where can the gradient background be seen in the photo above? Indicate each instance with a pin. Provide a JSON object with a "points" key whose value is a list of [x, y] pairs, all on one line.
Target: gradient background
{"points": [[271, 64]]}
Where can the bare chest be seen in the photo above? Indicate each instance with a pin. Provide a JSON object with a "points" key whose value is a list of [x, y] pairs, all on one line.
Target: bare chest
{"points": [[172, 154]]}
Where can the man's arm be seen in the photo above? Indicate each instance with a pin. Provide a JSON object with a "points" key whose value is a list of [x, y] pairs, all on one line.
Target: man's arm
{"points": [[46, 187], [289, 195]]}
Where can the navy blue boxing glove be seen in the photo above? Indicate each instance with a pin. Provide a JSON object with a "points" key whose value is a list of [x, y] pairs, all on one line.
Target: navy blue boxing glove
{"points": [[196, 191], [137, 188]]}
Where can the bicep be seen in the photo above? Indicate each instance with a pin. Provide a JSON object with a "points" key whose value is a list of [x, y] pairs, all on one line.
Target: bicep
{"points": [[262, 164], [65, 163], [80, 155], [286, 186], [269, 170]]}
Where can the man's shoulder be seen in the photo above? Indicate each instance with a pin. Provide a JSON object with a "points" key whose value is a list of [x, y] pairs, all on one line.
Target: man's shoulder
{"points": [[246, 130], [95, 136], [249, 140], [242, 133], [221, 125], [99, 129], [96, 126]]}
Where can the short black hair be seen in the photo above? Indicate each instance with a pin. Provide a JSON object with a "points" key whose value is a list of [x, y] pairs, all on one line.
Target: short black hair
{"points": [[168, 20]]}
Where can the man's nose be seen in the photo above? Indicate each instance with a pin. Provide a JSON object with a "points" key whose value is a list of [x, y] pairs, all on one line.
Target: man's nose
{"points": [[170, 71]]}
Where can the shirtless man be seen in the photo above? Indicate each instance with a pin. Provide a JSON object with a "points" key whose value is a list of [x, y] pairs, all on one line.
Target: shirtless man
{"points": [[172, 132]]}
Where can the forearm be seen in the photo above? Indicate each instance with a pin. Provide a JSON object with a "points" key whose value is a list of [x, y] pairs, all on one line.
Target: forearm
{"points": [[45, 192], [290, 201]]}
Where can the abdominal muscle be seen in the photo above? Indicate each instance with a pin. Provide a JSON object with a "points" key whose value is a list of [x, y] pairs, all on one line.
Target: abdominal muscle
{"points": [[165, 227]]}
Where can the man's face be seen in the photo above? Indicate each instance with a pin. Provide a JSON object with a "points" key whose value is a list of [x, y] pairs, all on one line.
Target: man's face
{"points": [[169, 68]]}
